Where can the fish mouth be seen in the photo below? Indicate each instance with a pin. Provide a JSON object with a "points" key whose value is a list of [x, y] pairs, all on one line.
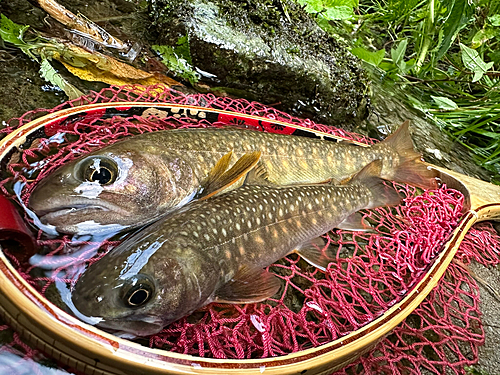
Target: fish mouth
{"points": [[146, 325], [49, 215], [82, 217]]}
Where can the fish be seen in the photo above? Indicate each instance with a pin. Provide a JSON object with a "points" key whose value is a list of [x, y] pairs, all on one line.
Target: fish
{"points": [[135, 181], [216, 250]]}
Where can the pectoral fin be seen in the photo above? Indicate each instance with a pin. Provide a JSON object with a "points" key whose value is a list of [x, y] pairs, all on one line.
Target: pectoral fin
{"points": [[258, 176], [219, 178], [219, 169], [313, 253], [355, 222], [248, 286]]}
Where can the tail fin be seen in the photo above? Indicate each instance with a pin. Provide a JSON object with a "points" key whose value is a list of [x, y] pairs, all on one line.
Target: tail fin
{"points": [[382, 195], [410, 170]]}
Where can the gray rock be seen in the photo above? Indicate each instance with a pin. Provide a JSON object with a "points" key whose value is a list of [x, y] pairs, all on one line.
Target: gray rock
{"points": [[256, 50]]}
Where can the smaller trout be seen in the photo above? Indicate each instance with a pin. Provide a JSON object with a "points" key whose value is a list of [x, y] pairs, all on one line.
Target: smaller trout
{"points": [[215, 251]]}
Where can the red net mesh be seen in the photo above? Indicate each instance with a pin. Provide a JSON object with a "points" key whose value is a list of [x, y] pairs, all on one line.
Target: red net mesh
{"points": [[370, 272]]}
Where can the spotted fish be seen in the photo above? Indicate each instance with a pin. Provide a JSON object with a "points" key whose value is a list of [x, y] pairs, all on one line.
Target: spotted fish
{"points": [[216, 250], [135, 181]]}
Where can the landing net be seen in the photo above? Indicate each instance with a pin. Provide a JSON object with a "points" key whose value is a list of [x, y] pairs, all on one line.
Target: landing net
{"points": [[370, 272]]}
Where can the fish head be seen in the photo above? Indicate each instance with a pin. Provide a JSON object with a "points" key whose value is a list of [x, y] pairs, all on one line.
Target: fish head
{"points": [[140, 295], [119, 305], [112, 189]]}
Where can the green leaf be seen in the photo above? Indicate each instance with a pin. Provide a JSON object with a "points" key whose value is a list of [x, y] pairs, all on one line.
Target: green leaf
{"points": [[330, 9], [182, 49], [178, 59], [460, 14], [494, 20], [12, 32], [348, 3], [482, 36], [374, 58], [341, 12], [444, 103], [51, 75], [310, 6], [474, 62], [398, 54], [494, 56]]}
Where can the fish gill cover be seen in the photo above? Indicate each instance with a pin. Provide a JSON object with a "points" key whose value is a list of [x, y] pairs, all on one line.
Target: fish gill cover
{"points": [[370, 272]]}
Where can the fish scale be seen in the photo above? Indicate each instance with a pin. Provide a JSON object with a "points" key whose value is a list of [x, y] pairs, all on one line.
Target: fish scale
{"points": [[156, 173], [216, 250]]}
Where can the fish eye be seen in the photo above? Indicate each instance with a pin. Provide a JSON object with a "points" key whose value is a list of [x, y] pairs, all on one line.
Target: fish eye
{"points": [[102, 170], [139, 290]]}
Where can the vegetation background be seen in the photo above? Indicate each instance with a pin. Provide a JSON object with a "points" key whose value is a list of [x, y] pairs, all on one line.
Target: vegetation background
{"points": [[444, 53]]}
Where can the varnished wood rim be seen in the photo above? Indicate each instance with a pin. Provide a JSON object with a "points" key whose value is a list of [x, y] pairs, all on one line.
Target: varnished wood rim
{"points": [[93, 351], [18, 136]]}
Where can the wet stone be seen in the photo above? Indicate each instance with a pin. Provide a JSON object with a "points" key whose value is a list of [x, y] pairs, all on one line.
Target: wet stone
{"points": [[268, 51]]}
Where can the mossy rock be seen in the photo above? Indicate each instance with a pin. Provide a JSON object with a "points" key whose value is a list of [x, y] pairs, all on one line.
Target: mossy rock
{"points": [[268, 51]]}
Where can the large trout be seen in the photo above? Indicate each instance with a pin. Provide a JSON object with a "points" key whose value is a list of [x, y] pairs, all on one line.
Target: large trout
{"points": [[135, 181], [215, 250]]}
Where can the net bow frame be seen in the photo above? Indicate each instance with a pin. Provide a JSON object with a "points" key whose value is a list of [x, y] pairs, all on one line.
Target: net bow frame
{"points": [[371, 274]]}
